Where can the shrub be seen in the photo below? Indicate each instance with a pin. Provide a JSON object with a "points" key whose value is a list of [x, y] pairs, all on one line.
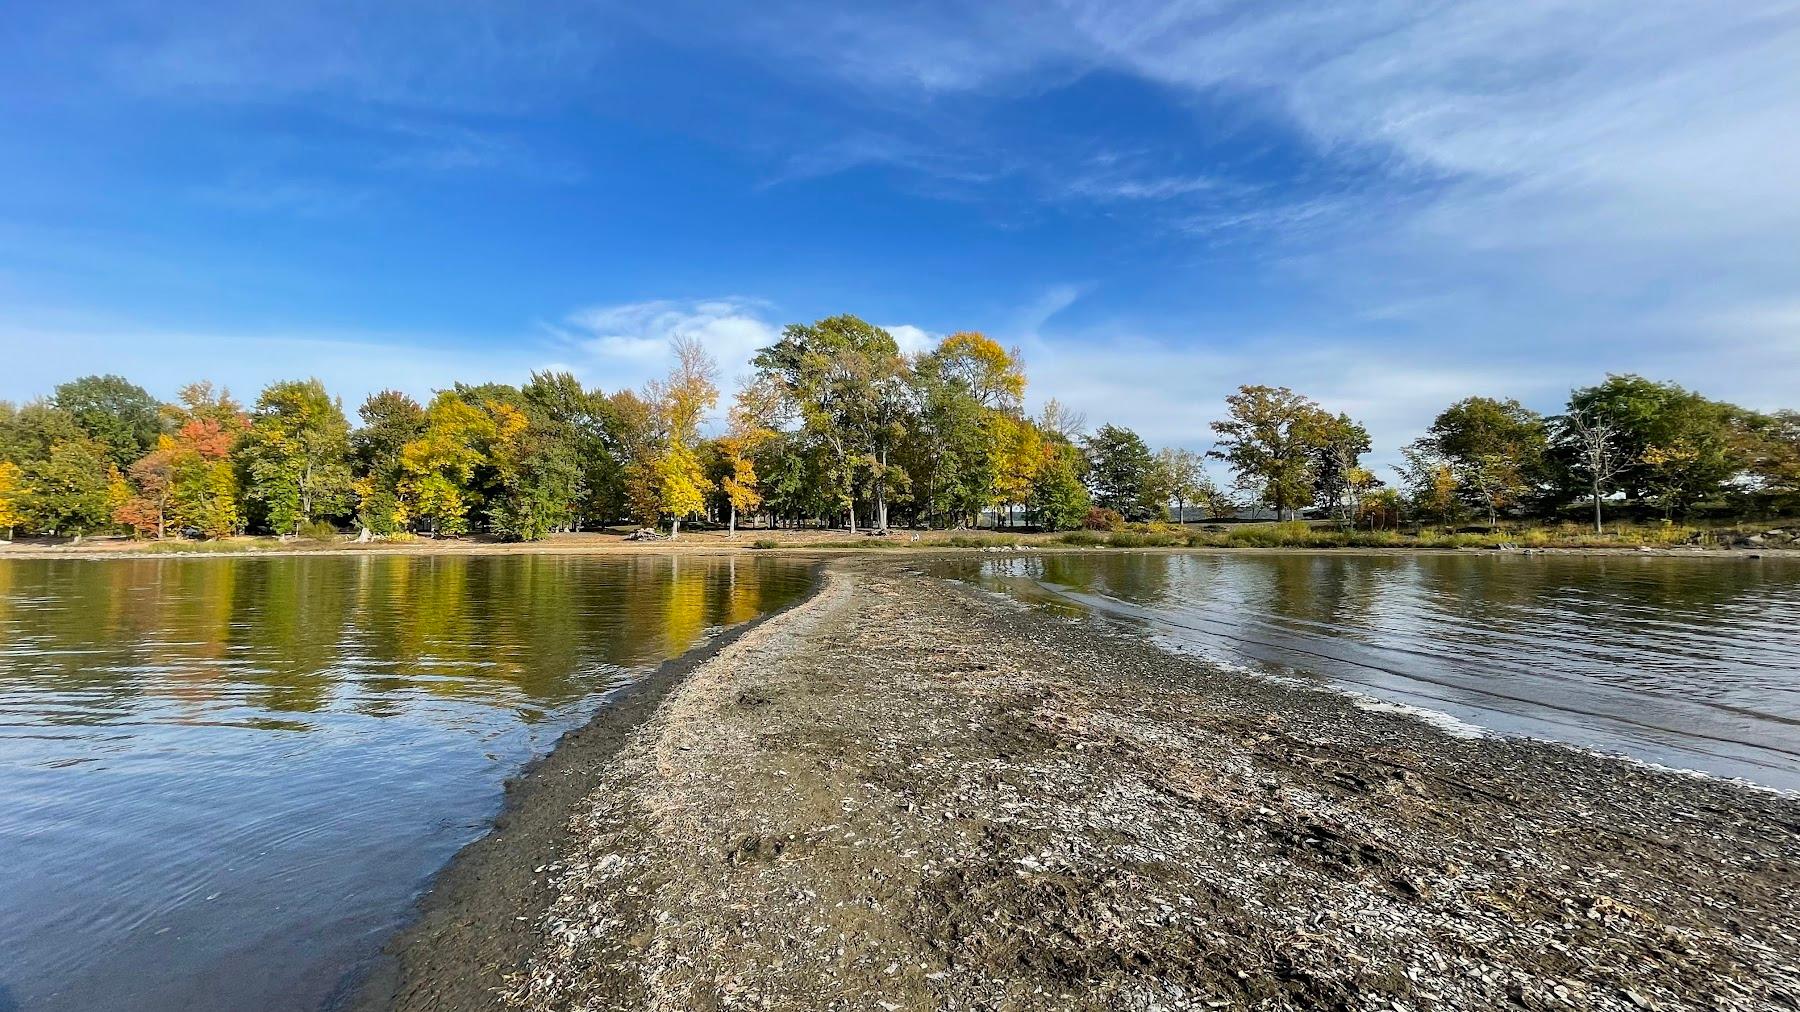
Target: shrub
{"points": [[763, 543], [1085, 539], [318, 530], [1144, 538], [965, 541], [1292, 533], [1100, 519], [204, 547]]}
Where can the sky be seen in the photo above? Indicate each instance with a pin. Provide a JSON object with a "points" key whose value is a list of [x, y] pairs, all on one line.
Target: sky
{"points": [[1387, 206]]}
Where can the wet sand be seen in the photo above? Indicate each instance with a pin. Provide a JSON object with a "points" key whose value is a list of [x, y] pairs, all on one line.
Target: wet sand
{"points": [[909, 794]]}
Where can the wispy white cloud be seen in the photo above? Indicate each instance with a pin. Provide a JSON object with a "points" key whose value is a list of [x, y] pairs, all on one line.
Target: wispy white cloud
{"points": [[631, 342], [1603, 145], [1550, 191], [425, 146], [304, 198], [480, 58], [912, 340], [1170, 393], [1516, 197], [943, 166], [1151, 188], [616, 346], [1034, 314]]}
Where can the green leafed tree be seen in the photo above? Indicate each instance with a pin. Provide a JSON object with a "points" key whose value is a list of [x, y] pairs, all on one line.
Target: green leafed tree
{"points": [[1771, 446], [1338, 446], [70, 491], [1183, 475], [540, 480], [12, 497], [1271, 438], [296, 455], [390, 420], [1120, 471], [118, 414], [579, 423], [27, 433], [1059, 499], [840, 379], [1672, 446], [1494, 448]]}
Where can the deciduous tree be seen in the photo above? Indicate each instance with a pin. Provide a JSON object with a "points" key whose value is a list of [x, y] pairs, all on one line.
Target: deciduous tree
{"points": [[205, 493], [1697, 438], [12, 496], [1059, 500], [992, 375], [1339, 444], [1593, 442], [836, 377], [1183, 475], [115, 412], [1495, 449], [1019, 452], [390, 421], [1271, 440], [438, 487], [70, 491], [1772, 448], [751, 426], [682, 400], [296, 455], [1119, 471]]}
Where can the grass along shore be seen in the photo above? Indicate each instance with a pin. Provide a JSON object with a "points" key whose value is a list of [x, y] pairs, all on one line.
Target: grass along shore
{"points": [[1735, 538]]}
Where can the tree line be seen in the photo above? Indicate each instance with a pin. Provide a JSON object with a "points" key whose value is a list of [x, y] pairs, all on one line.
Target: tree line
{"points": [[837, 427]]}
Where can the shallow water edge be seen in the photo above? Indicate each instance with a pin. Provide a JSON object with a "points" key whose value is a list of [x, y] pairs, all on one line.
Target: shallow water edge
{"points": [[497, 881]]}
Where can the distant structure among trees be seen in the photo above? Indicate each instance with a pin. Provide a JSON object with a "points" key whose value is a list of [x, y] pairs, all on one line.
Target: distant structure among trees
{"points": [[838, 428]]}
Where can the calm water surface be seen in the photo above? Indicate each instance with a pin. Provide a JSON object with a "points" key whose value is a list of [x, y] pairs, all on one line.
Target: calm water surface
{"points": [[1692, 663], [223, 781]]}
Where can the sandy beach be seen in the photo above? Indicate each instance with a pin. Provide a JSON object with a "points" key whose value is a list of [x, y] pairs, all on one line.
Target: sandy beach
{"points": [[904, 793]]}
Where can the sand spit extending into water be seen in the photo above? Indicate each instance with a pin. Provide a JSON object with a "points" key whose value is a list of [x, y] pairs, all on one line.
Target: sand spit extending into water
{"points": [[904, 794]]}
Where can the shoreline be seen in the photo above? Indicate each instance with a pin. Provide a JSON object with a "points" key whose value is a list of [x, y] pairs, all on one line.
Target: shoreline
{"points": [[470, 925], [718, 546], [958, 783]]}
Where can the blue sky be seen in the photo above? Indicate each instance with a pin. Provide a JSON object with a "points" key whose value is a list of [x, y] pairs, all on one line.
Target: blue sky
{"points": [[1386, 205]]}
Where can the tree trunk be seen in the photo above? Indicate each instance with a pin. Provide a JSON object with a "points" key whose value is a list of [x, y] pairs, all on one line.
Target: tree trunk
{"points": [[881, 517], [1596, 509], [731, 526], [674, 528], [305, 497]]}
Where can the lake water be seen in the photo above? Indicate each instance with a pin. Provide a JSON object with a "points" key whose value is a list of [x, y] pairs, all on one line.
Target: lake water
{"points": [[224, 781], [1690, 663]]}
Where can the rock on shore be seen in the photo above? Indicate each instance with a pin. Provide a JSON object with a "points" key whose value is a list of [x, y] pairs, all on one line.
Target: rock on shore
{"points": [[907, 794]]}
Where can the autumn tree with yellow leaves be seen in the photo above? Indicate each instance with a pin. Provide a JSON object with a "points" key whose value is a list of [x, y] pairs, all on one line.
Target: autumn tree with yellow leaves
{"points": [[682, 400]]}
